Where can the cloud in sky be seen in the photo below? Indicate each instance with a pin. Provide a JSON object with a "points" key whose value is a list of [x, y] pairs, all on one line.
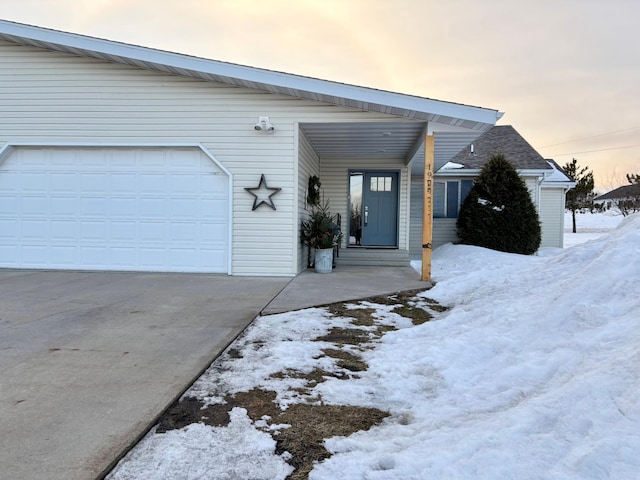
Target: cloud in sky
{"points": [[560, 70]]}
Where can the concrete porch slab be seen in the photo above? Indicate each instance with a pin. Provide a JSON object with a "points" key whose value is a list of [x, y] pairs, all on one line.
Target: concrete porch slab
{"points": [[311, 289]]}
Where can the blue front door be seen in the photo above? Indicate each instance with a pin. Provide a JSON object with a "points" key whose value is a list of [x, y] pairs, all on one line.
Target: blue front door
{"points": [[380, 209]]}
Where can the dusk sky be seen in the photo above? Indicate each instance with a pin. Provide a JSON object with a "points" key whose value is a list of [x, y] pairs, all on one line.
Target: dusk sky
{"points": [[565, 72]]}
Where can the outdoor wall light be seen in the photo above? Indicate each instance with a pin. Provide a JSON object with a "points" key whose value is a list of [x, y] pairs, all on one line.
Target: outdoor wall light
{"points": [[264, 125]]}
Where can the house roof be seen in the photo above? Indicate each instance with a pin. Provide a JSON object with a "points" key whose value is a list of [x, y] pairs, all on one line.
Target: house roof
{"points": [[558, 175], [505, 140], [363, 98], [626, 191]]}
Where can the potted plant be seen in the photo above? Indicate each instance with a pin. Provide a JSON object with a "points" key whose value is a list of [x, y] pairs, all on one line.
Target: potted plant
{"points": [[321, 232]]}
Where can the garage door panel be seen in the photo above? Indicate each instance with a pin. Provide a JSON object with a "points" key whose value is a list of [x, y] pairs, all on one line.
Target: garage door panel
{"points": [[34, 183], [9, 255], [115, 209], [35, 230], [63, 183], [123, 231], [8, 227], [63, 230], [152, 184], [94, 256], [65, 256], [93, 184], [10, 206], [66, 207], [122, 183], [34, 206], [9, 183], [34, 255], [121, 208], [153, 232]]}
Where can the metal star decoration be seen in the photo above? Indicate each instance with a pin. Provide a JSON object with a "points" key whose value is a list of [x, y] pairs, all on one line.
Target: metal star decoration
{"points": [[262, 194]]}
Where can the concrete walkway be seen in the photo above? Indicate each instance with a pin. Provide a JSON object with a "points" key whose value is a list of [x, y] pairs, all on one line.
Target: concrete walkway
{"points": [[88, 361], [345, 283]]}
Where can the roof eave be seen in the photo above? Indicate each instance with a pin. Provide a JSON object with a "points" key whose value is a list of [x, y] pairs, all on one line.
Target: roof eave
{"points": [[365, 98]]}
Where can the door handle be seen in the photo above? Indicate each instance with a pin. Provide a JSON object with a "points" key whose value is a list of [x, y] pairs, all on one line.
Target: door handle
{"points": [[366, 215]]}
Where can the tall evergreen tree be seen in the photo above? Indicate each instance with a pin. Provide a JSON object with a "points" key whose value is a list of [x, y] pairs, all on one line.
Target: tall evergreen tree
{"points": [[498, 213], [582, 195]]}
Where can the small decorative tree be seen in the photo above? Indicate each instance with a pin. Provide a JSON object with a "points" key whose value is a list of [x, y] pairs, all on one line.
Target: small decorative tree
{"points": [[498, 213], [321, 232]]}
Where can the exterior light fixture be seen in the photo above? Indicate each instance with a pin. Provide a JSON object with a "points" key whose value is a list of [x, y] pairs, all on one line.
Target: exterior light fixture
{"points": [[264, 125]]}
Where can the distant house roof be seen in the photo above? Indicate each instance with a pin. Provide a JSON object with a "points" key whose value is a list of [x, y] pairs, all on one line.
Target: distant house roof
{"points": [[363, 98], [505, 140], [626, 191]]}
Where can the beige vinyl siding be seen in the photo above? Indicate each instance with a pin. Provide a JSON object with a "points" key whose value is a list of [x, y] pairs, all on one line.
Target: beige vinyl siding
{"points": [[308, 165], [533, 185], [552, 217], [51, 98], [334, 175]]}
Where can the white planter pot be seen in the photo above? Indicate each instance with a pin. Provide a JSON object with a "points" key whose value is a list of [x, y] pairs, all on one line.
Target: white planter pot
{"points": [[323, 260]]}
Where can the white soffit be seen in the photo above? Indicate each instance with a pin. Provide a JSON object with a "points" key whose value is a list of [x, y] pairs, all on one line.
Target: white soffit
{"points": [[418, 108]]}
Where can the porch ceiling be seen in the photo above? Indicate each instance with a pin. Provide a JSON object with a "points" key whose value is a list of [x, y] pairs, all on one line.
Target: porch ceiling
{"points": [[364, 139], [385, 140]]}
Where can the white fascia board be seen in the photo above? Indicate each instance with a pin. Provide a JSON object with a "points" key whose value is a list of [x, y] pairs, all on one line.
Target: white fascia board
{"points": [[250, 74]]}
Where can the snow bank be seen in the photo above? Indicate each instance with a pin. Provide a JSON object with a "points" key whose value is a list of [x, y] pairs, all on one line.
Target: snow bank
{"points": [[535, 373]]}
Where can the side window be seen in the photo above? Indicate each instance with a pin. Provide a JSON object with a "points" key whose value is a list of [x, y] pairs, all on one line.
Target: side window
{"points": [[465, 188], [453, 193], [448, 196]]}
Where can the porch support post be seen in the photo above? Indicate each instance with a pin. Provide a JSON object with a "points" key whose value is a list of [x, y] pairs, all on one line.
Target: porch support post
{"points": [[427, 207]]}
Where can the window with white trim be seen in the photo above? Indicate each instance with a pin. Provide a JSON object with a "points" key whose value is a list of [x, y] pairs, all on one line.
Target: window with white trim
{"points": [[448, 196]]}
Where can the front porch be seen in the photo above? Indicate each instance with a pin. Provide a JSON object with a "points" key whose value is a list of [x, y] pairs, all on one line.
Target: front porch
{"points": [[369, 174]]}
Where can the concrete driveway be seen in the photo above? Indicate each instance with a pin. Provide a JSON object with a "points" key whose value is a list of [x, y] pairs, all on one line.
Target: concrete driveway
{"points": [[89, 360]]}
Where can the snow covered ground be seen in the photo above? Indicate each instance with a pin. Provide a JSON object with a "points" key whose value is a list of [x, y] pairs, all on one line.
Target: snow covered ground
{"points": [[534, 373], [589, 226]]}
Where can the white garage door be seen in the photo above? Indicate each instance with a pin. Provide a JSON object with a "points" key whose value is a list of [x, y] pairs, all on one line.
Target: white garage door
{"points": [[140, 209]]}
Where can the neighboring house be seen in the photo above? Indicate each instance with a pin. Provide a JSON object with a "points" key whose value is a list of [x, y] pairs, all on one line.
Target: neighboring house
{"points": [[453, 179], [626, 198]]}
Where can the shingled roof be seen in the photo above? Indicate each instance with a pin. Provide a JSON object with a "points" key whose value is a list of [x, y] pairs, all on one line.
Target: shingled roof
{"points": [[626, 191], [505, 140]]}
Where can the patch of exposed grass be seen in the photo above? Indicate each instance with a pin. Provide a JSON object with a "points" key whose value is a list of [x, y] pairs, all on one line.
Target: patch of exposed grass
{"points": [[436, 307], [304, 439], [362, 317], [396, 298], [346, 360], [382, 329], [346, 336], [315, 376], [417, 315], [311, 424]]}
